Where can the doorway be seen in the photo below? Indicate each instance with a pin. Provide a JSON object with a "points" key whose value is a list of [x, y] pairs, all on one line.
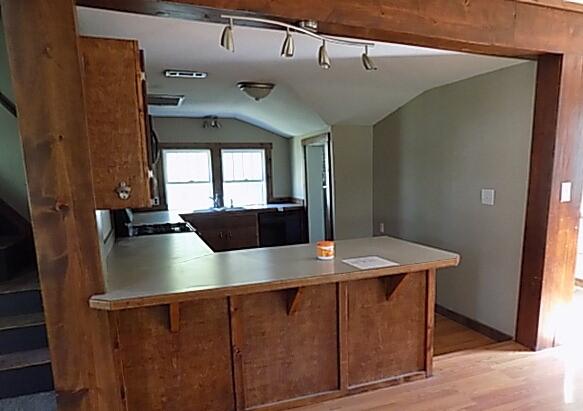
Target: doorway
{"points": [[318, 188]]}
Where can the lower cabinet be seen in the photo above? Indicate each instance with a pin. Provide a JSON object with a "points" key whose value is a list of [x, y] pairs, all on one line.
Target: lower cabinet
{"points": [[224, 231]]}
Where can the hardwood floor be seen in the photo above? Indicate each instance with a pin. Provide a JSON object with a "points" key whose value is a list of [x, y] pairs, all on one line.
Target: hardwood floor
{"points": [[498, 377], [451, 336], [484, 376]]}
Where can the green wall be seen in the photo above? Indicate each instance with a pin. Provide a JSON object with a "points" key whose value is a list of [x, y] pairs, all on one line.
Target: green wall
{"points": [[433, 156], [12, 176]]}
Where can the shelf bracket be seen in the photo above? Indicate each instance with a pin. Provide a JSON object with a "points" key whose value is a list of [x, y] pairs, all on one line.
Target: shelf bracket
{"points": [[391, 283], [294, 300], [174, 317]]}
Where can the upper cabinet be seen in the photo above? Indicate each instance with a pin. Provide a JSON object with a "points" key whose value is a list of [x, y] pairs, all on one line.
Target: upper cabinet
{"points": [[114, 87]]}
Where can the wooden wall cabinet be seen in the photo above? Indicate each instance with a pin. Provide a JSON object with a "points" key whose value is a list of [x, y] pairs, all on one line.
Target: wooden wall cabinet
{"points": [[114, 91]]}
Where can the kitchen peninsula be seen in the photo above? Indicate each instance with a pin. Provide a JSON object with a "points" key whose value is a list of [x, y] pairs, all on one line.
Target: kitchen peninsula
{"points": [[267, 328]]}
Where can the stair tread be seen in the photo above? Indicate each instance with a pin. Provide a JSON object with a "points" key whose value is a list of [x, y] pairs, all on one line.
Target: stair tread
{"points": [[24, 359], [21, 321], [26, 281]]}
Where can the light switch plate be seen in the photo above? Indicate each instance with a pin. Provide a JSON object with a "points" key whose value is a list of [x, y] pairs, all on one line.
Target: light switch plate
{"points": [[488, 196], [566, 187]]}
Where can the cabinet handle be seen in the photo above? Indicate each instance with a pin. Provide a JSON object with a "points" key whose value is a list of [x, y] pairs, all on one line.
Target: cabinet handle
{"points": [[221, 235], [230, 235]]}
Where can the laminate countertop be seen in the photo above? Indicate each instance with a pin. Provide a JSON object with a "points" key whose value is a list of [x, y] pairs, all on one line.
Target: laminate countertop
{"points": [[163, 269]]}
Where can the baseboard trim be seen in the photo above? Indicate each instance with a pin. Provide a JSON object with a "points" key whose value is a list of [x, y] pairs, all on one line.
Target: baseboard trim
{"points": [[486, 330]]}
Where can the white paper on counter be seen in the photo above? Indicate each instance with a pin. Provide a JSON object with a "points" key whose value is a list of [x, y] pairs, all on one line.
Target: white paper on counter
{"points": [[369, 262]]}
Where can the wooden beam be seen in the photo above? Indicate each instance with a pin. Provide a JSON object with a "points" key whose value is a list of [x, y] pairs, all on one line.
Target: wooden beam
{"points": [[236, 333], [41, 38], [429, 320], [391, 284], [550, 239], [496, 27], [294, 300], [174, 317]]}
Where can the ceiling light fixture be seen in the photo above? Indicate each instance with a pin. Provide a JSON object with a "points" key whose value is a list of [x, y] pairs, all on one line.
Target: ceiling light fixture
{"points": [[211, 122], [367, 61], [323, 57], [227, 41], [288, 48], [256, 90], [309, 28]]}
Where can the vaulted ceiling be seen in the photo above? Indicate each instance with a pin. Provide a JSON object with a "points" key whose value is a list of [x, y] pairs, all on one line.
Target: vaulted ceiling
{"points": [[306, 99]]}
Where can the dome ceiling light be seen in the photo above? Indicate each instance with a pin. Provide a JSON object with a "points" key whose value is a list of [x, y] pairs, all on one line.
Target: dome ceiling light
{"points": [[308, 28], [256, 90]]}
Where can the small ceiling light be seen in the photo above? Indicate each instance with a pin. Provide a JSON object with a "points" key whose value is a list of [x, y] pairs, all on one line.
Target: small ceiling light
{"points": [[367, 61], [211, 122], [323, 57], [257, 91], [227, 41], [288, 48]]}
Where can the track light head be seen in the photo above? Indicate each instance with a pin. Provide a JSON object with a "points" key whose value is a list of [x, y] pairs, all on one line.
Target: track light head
{"points": [[367, 62], [323, 57], [227, 41], [288, 48]]}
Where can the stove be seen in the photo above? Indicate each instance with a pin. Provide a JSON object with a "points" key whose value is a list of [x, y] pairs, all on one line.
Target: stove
{"points": [[163, 228]]}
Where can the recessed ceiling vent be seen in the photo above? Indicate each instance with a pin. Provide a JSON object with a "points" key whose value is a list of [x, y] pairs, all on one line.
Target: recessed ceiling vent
{"points": [[165, 100], [185, 74]]}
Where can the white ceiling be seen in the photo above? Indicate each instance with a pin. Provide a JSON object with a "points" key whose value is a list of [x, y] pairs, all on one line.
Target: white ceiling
{"points": [[306, 99]]}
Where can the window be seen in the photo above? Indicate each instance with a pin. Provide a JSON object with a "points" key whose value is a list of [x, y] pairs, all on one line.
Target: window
{"points": [[189, 182], [188, 179], [244, 180]]}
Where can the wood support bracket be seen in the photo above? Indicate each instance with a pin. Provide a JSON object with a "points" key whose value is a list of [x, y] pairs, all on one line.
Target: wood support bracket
{"points": [[391, 283], [174, 316], [294, 299]]}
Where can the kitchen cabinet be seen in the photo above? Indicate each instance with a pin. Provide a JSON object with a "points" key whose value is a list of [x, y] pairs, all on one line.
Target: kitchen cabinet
{"points": [[224, 231], [262, 227], [117, 122]]}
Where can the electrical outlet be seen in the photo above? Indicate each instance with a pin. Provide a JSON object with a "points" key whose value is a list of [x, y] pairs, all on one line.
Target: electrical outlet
{"points": [[382, 228]]}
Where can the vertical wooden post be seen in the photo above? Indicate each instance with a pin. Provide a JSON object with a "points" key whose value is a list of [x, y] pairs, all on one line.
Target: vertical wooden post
{"points": [[550, 240], [429, 321], [342, 296], [41, 38]]}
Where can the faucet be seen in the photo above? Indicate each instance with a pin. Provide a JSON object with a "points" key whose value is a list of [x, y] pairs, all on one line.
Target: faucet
{"points": [[217, 200]]}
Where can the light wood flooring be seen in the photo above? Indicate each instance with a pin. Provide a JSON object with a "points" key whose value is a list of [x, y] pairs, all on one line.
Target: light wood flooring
{"points": [[451, 336], [482, 376]]}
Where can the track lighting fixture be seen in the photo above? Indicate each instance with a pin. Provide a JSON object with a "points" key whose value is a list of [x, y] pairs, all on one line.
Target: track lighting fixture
{"points": [[227, 41], [323, 57], [288, 48], [308, 28], [367, 61]]}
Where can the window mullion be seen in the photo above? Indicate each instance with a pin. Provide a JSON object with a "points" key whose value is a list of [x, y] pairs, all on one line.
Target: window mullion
{"points": [[217, 167]]}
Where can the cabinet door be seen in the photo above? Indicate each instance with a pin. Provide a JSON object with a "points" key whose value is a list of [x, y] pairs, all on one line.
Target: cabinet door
{"points": [[115, 108], [242, 232]]}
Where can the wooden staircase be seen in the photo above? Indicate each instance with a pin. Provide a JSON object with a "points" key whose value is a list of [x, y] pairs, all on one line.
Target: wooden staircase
{"points": [[25, 366]]}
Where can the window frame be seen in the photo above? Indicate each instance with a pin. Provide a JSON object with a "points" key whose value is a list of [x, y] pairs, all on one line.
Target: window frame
{"points": [[164, 177], [217, 165]]}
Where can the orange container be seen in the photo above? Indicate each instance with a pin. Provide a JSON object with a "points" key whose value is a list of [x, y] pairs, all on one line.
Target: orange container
{"points": [[325, 250]]}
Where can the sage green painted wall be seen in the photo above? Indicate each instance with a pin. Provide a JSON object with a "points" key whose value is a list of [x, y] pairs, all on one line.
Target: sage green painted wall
{"points": [[433, 156], [190, 130], [353, 181], [12, 176]]}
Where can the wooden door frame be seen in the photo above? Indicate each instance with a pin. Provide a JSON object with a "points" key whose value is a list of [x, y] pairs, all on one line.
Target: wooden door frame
{"points": [[44, 58]]}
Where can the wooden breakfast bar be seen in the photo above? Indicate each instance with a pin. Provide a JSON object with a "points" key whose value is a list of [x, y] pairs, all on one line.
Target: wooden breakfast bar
{"points": [[269, 328]]}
